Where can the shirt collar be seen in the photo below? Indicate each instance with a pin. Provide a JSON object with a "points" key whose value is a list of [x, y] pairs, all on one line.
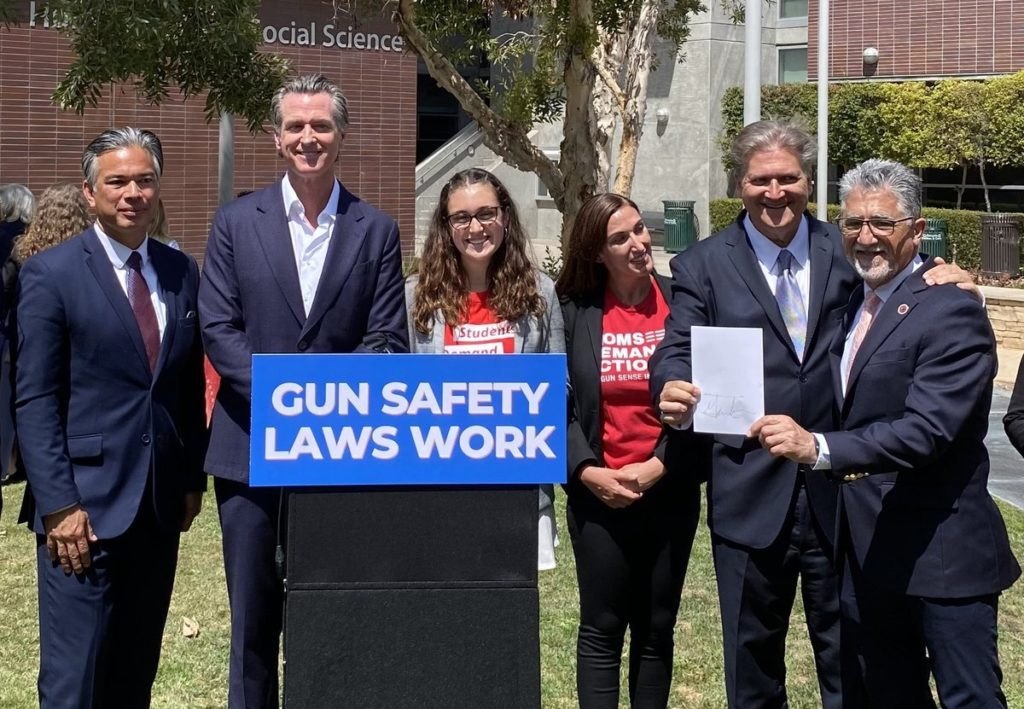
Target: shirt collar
{"points": [[117, 252], [293, 206], [767, 251], [886, 290]]}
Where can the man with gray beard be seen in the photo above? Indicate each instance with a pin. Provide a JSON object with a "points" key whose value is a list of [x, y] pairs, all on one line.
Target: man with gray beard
{"points": [[924, 549]]}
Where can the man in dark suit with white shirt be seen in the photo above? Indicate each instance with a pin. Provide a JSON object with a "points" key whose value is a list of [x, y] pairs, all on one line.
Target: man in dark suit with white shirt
{"points": [[778, 269], [925, 549], [109, 412], [300, 266]]}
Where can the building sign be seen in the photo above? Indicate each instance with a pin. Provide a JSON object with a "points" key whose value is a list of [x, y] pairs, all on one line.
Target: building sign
{"points": [[366, 419], [300, 33], [329, 35]]}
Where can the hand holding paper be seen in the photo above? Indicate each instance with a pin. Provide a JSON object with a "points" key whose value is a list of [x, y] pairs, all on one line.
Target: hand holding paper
{"points": [[728, 368]]}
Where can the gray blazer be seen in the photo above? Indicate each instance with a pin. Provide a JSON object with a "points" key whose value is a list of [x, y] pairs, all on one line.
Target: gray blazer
{"points": [[533, 335]]}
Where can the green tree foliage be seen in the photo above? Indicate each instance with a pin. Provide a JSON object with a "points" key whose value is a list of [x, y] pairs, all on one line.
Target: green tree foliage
{"points": [[942, 124], [192, 46]]}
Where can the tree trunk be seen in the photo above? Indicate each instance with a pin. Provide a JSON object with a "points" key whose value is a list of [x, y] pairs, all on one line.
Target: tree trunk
{"points": [[962, 187], [984, 185], [637, 72], [578, 150], [504, 137]]}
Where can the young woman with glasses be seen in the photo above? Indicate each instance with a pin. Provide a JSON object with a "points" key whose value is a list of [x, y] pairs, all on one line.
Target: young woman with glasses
{"points": [[476, 292]]}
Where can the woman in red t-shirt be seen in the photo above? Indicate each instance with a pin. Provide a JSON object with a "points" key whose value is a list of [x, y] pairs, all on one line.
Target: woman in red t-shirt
{"points": [[633, 495], [476, 291]]}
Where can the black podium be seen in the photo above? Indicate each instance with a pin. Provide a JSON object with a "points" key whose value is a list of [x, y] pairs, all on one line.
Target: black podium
{"points": [[412, 598]]}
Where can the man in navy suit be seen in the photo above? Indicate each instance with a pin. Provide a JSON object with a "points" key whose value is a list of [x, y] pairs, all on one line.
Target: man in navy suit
{"points": [[301, 266], [109, 410], [770, 522], [925, 550]]}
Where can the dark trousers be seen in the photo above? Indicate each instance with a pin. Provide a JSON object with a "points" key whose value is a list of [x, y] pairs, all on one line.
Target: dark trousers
{"points": [[630, 567], [899, 640], [100, 631], [756, 590], [249, 521]]}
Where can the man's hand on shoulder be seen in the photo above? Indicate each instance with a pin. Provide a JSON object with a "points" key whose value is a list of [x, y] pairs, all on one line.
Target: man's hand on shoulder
{"points": [[68, 534], [944, 273], [193, 506], [677, 402]]}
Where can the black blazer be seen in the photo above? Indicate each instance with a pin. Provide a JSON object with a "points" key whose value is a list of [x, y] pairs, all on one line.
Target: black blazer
{"points": [[719, 282], [680, 451], [914, 415]]}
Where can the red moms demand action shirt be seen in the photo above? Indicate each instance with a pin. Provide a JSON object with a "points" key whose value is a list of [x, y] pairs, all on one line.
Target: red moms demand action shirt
{"points": [[482, 333], [629, 427]]}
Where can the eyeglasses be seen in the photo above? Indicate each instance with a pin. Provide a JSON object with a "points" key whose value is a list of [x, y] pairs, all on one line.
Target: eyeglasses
{"points": [[485, 216], [878, 227]]}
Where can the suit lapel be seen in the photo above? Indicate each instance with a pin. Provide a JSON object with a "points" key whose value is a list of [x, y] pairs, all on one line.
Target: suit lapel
{"points": [[274, 236], [745, 261], [342, 252], [167, 279], [888, 319], [592, 321], [103, 271], [835, 353], [820, 251]]}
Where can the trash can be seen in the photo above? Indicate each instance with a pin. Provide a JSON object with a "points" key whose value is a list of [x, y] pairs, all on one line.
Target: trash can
{"points": [[1000, 244], [934, 241], [680, 231]]}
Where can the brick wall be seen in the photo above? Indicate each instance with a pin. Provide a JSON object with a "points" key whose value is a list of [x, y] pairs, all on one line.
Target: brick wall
{"points": [[40, 145], [921, 38]]}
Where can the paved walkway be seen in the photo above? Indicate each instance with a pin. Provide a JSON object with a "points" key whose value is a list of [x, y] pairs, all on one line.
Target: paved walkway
{"points": [[1006, 478]]}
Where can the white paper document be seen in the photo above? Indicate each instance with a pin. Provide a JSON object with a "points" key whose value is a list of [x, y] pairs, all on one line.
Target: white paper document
{"points": [[728, 367]]}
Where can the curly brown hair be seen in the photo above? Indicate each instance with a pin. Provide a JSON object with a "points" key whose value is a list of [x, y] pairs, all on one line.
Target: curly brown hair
{"points": [[61, 212], [582, 274], [442, 283]]}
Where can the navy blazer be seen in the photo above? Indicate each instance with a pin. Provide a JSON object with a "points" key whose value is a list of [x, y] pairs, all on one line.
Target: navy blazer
{"points": [[719, 282], [250, 301], [915, 416], [92, 420]]}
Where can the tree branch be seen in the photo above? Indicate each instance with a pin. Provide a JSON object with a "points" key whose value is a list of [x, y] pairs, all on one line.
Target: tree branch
{"points": [[504, 137], [613, 86]]}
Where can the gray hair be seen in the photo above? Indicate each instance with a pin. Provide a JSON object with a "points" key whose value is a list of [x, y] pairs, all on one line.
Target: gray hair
{"points": [[16, 203], [875, 175], [115, 139], [772, 135], [312, 84]]}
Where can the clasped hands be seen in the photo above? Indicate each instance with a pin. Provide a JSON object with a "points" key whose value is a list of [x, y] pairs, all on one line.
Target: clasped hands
{"points": [[780, 435], [621, 487]]}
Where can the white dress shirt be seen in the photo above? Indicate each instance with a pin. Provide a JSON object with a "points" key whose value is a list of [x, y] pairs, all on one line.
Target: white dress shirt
{"points": [[767, 253], [309, 243], [118, 254]]}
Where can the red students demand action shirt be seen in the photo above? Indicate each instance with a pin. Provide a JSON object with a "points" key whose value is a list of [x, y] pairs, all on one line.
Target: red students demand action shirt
{"points": [[629, 428], [482, 333]]}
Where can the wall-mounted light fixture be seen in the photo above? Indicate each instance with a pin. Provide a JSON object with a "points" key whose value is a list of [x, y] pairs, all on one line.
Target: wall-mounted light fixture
{"points": [[870, 56]]}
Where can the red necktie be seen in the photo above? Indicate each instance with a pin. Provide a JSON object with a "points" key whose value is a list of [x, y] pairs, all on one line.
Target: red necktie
{"points": [[142, 306]]}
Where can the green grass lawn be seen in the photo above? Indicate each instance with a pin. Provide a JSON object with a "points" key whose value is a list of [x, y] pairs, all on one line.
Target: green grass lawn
{"points": [[193, 671]]}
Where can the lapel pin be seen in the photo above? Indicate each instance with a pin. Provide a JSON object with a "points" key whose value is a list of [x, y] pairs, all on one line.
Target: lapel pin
{"points": [[903, 309]]}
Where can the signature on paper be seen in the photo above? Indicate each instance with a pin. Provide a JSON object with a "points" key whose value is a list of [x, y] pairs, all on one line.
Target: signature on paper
{"points": [[718, 406]]}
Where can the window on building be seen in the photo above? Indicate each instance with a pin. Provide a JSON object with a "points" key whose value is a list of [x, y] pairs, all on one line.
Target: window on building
{"points": [[542, 189], [790, 9], [793, 64]]}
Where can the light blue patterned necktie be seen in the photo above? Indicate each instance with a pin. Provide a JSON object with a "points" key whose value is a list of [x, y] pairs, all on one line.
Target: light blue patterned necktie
{"points": [[791, 303]]}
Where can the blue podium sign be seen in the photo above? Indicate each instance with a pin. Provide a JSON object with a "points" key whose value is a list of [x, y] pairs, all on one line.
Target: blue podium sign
{"points": [[407, 419]]}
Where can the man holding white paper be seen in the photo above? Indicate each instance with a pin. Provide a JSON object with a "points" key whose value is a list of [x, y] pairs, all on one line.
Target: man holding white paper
{"points": [[780, 270]]}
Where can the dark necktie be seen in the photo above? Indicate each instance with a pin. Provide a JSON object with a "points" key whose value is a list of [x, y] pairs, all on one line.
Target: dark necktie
{"points": [[791, 303], [142, 306]]}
